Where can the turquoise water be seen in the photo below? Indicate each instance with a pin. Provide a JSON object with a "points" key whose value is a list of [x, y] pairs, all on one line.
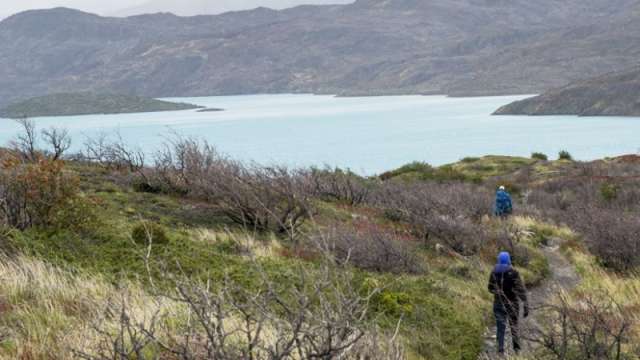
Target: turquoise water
{"points": [[368, 135]]}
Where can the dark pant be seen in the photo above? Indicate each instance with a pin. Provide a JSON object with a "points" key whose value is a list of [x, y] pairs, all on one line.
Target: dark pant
{"points": [[503, 315]]}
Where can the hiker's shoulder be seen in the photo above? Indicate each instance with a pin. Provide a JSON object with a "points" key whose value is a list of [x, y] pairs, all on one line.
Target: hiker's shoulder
{"points": [[513, 272]]}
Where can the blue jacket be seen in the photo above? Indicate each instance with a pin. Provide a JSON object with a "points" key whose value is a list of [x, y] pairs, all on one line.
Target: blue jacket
{"points": [[504, 206]]}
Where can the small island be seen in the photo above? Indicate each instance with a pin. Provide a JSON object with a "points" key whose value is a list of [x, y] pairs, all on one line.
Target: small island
{"points": [[69, 104], [609, 95], [210, 110]]}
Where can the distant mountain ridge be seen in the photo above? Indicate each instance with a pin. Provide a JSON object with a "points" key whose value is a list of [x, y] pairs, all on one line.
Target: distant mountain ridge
{"points": [[370, 47], [202, 7], [69, 104], [616, 94]]}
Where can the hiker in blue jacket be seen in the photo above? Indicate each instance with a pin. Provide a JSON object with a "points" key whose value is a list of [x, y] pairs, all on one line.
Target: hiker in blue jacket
{"points": [[509, 291], [504, 206]]}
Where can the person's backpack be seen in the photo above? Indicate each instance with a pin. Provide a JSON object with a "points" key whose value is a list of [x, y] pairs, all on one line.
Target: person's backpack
{"points": [[504, 205]]}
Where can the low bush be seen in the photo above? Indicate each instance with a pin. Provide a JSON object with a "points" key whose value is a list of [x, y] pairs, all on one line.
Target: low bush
{"points": [[610, 235], [447, 213], [412, 168], [372, 248], [425, 172], [316, 315], [470, 159], [36, 193], [256, 197], [601, 211], [565, 155], [339, 185], [146, 232], [590, 326], [609, 191], [539, 156]]}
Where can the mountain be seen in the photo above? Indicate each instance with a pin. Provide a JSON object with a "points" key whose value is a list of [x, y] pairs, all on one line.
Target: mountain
{"points": [[370, 47], [86, 104], [200, 7], [615, 94]]}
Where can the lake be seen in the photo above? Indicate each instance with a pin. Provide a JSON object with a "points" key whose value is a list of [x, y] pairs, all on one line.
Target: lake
{"points": [[367, 134]]}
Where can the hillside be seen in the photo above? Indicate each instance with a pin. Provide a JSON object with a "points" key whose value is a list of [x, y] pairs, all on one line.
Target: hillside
{"points": [[370, 47], [202, 7], [102, 255], [610, 95], [88, 103]]}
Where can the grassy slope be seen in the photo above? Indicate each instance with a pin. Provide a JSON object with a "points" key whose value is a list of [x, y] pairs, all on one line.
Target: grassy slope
{"points": [[446, 310]]}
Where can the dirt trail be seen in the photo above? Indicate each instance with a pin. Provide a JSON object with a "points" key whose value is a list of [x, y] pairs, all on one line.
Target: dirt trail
{"points": [[563, 277]]}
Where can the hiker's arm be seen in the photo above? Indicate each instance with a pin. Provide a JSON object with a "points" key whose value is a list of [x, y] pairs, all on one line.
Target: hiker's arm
{"points": [[492, 284], [521, 290]]}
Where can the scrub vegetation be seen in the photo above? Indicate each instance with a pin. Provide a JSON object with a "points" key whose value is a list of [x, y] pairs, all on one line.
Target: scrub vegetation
{"points": [[111, 254]]}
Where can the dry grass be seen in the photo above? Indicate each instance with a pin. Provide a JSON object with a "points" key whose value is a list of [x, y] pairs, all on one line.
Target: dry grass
{"points": [[624, 290], [47, 312], [526, 223], [269, 247]]}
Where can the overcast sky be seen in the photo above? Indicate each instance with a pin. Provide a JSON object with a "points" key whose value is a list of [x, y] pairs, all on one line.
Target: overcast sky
{"points": [[128, 7]]}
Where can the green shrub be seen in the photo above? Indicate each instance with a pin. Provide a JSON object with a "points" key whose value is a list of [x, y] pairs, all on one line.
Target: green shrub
{"points": [[609, 192], [539, 156], [393, 215], [449, 173], [145, 231], [34, 194], [414, 167], [142, 186], [425, 172], [79, 215], [565, 155], [541, 239], [388, 302], [470, 159], [532, 263]]}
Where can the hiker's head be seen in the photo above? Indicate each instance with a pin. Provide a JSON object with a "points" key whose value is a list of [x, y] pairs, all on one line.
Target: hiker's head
{"points": [[504, 258], [502, 188]]}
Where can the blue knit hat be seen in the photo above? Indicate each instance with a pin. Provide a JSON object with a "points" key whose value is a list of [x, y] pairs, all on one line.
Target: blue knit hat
{"points": [[504, 262]]}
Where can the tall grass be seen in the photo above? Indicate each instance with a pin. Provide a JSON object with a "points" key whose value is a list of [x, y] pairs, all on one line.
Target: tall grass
{"points": [[47, 312]]}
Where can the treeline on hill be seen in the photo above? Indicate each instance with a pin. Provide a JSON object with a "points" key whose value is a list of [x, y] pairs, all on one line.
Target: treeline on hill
{"points": [[360, 252]]}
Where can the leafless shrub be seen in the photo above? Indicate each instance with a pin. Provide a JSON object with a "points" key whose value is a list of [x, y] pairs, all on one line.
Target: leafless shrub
{"points": [[601, 210], [377, 345], [262, 198], [256, 197], [114, 154], [183, 162], [591, 327], [130, 338], [321, 316], [372, 248], [613, 236], [449, 213], [58, 140], [26, 145], [339, 185]]}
